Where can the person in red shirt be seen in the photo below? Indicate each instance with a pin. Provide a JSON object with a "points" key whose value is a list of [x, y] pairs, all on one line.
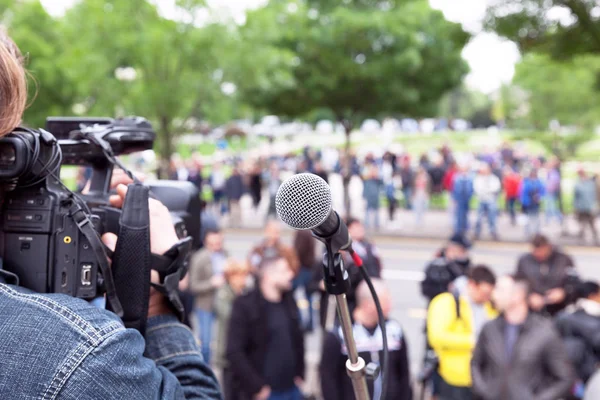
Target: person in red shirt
{"points": [[511, 182], [448, 181]]}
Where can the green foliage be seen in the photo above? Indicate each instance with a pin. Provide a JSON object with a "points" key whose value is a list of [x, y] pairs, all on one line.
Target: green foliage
{"points": [[564, 146], [74, 59], [51, 88], [563, 91], [533, 26], [355, 60], [464, 103]]}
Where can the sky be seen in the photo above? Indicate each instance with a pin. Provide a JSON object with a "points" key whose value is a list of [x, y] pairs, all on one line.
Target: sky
{"points": [[490, 58]]}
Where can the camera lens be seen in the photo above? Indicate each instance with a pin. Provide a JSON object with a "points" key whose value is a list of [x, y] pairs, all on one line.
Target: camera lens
{"points": [[7, 155]]}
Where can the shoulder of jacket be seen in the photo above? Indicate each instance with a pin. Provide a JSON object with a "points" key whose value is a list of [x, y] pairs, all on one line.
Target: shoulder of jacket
{"points": [[442, 299], [89, 321], [438, 262]]}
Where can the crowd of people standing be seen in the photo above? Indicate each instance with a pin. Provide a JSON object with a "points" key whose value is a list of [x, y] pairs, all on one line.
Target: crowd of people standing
{"points": [[532, 334], [530, 189]]}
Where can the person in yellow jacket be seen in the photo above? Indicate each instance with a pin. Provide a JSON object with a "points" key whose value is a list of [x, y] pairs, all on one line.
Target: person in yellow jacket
{"points": [[452, 330]]}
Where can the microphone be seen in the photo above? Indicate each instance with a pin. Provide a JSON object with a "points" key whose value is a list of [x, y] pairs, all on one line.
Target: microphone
{"points": [[303, 202]]}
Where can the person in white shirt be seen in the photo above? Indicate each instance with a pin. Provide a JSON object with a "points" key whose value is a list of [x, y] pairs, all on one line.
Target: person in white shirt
{"points": [[487, 187]]}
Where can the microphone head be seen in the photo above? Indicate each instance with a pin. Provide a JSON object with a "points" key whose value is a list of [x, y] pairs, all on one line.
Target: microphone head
{"points": [[303, 201]]}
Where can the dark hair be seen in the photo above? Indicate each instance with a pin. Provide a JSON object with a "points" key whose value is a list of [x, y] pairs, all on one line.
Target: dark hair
{"points": [[586, 289], [522, 279], [482, 274], [211, 232], [351, 221], [540, 240]]}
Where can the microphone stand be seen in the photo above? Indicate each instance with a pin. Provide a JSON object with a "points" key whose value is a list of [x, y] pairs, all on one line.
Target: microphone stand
{"points": [[337, 283]]}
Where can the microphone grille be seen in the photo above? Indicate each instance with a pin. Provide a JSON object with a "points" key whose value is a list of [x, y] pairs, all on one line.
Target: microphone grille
{"points": [[303, 201]]}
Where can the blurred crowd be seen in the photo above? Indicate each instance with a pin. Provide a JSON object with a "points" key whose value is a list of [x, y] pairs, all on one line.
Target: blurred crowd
{"points": [[533, 334], [529, 188]]}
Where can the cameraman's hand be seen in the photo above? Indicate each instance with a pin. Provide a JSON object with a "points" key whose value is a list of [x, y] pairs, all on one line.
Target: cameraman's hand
{"points": [[162, 231], [162, 238], [119, 177]]}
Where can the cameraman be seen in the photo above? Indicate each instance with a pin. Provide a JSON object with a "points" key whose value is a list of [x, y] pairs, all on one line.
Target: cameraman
{"points": [[59, 347], [453, 262]]}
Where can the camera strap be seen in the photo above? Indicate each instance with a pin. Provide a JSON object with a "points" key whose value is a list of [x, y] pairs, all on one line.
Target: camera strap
{"points": [[131, 261], [87, 228], [172, 267]]}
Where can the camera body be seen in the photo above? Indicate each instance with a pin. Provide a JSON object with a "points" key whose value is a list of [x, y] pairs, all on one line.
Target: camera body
{"points": [[42, 237], [40, 241]]}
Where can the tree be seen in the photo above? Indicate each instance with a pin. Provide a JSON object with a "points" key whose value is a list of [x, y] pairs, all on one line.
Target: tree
{"points": [[359, 59], [560, 28], [172, 62], [464, 103], [563, 91], [51, 89]]}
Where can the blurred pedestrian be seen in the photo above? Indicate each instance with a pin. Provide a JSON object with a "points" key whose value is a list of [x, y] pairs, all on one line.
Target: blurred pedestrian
{"points": [[436, 174], [519, 355], [461, 194], [335, 383], [236, 282], [217, 183], [511, 182], [274, 181], [586, 205], [452, 263], [453, 325], [305, 247], [195, 172], [552, 192], [531, 193], [388, 174], [208, 221], [372, 187], [320, 171], [234, 190], [206, 277], [265, 345], [272, 246], [579, 326], [367, 251], [550, 272], [255, 185], [486, 187], [408, 180], [420, 200]]}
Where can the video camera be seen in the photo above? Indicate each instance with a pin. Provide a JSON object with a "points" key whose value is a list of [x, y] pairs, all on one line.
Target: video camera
{"points": [[50, 236]]}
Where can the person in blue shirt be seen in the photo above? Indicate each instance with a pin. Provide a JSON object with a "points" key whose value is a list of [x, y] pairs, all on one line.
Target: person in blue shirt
{"points": [[531, 194], [462, 192], [54, 346]]}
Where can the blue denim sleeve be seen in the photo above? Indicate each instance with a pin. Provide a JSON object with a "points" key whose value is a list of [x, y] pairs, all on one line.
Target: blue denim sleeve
{"points": [[167, 365]]}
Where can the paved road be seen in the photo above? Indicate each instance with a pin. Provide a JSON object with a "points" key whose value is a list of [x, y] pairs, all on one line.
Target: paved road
{"points": [[403, 262]]}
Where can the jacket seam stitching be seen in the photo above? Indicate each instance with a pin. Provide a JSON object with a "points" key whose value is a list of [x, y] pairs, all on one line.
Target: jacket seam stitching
{"points": [[71, 364], [179, 353], [74, 320], [168, 325], [54, 308]]}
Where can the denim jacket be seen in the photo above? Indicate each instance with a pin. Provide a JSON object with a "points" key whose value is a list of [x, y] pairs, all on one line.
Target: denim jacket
{"points": [[54, 346]]}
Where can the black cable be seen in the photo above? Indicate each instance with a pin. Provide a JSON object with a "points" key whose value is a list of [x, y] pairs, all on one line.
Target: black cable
{"points": [[386, 355]]}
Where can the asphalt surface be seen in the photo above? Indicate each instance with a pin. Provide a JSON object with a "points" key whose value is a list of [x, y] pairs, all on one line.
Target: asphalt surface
{"points": [[403, 264]]}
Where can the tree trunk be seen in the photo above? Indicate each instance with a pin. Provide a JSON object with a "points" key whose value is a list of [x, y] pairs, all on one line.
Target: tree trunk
{"points": [[166, 145]]}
